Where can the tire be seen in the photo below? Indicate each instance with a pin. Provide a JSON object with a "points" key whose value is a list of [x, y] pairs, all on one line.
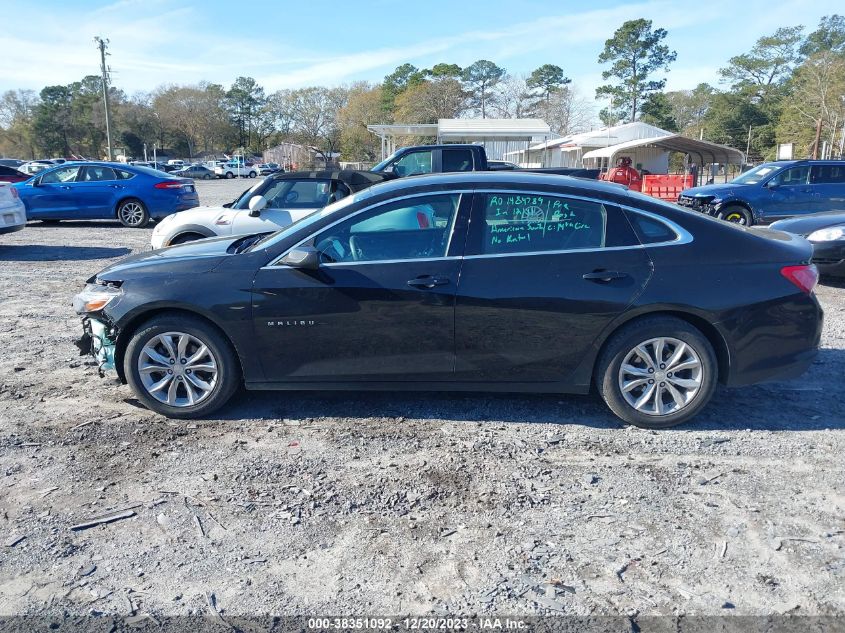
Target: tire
{"points": [[252, 174], [197, 392], [133, 214], [207, 177], [736, 214], [229, 175], [184, 238], [699, 375], [49, 222]]}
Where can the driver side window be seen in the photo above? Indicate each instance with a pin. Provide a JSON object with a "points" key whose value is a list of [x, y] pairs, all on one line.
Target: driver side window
{"points": [[414, 228], [413, 164], [61, 175], [793, 176]]}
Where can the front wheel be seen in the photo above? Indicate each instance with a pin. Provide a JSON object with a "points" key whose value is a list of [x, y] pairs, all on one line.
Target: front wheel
{"points": [[657, 372], [252, 174], [181, 366], [736, 214], [207, 177], [133, 214], [229, 175]]}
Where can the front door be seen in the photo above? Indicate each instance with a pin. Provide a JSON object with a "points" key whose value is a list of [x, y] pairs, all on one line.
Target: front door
{"points": [[543, 276], [54, 197], [379, 308], [288, 201], [790, 194]]}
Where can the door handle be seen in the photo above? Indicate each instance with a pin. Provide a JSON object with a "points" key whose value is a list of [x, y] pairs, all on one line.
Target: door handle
{"points": [[427, 282], [116, 186], [604, 275], [64, 187]]}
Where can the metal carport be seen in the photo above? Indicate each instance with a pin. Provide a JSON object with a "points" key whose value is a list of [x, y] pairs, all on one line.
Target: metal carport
{"points": [[708, 153]]}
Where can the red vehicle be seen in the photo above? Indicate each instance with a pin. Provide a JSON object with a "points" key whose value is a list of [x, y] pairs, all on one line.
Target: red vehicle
{"points": [[10, 174], [624, 174]]}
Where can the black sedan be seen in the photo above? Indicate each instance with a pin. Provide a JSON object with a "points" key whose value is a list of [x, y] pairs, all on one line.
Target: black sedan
{"points": [[496, 281], [826, 232]]}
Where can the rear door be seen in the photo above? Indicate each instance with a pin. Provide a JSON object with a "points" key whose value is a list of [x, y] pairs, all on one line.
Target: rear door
{"points": [[543, 275], [828, 184], [95, 191]]}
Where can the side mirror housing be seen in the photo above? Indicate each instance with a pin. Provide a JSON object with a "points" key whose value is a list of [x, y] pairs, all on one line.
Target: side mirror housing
{"points": [[256, 204], [35, 182], [306, 257]]}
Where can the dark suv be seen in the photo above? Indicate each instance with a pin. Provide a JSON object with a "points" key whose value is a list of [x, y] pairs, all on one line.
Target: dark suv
{"points": [[773, 191]]}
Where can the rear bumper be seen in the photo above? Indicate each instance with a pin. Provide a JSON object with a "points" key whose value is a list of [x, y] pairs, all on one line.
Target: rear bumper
{"points": [[777, 341]]}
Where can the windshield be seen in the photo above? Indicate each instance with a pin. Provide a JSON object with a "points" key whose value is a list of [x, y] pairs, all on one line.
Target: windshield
{"points": [[242, 201], [385, 162], [753, 176], [308, 220]]}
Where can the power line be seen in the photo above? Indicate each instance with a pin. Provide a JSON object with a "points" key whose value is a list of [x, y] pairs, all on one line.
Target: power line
{"points": [[102, 44]]}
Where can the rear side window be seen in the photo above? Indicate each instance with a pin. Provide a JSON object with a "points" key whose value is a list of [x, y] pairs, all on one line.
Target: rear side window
{"points": [[96, 173], [651, 231], [534, 223], [457, 160], [828, 174]]}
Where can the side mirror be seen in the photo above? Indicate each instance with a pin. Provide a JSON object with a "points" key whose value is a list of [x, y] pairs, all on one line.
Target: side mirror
{"points": [[256, 203], [389, 169], [36, 182], [306, 257]]}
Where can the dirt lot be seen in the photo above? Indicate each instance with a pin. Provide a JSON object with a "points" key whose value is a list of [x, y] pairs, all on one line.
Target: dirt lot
{"points": [[390, 504]]}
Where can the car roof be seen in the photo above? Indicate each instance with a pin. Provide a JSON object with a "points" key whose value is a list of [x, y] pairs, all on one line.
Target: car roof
{"points": [[355, 178], [498, 179]]}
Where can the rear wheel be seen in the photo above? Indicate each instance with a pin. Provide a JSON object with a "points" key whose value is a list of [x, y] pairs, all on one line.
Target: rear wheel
{"points": [[736, 214], [657, 372], [207, 177], [252, 174], [181, 366], [229, 175], [133, 213]]}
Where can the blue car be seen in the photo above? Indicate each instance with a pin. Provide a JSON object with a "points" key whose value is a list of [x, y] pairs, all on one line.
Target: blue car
{"points": [[773, 191], [105, 191]]}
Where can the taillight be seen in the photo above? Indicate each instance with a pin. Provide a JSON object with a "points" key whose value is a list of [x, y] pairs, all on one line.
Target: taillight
{"points": [[170, 184], [805, 276], [14, 191]]}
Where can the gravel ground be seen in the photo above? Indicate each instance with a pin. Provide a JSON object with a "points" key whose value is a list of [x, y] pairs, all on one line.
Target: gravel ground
{"points": [[365, 503]]}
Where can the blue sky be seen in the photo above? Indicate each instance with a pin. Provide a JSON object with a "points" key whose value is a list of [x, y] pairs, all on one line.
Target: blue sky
{"points": [[287, 44]]}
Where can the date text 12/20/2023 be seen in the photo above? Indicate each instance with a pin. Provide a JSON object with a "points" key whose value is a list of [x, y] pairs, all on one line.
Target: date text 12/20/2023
{"points": [[417, 623]]}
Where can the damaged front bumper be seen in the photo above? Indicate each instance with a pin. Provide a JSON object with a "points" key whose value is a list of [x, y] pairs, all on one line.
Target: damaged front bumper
{"points": [[95, 341]]}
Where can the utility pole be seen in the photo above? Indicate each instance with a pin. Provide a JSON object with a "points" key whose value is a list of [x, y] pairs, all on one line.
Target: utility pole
{"points": [[101, 44], [748, 145]]}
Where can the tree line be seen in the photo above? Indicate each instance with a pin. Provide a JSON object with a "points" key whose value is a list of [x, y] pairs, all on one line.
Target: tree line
{"points": [[789, 87]]}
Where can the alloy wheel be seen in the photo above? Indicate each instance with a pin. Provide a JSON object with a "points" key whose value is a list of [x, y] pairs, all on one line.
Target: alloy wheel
{"points": [[132, 213], [177, 369], [661, 376]]}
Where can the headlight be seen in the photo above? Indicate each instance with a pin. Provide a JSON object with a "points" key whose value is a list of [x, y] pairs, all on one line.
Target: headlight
{"points": [[95, 297], [715, 201], [827, 235]]}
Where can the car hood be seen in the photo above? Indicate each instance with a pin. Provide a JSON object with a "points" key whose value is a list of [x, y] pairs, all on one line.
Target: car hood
{"points": [[194, 257], [809, 223], [710, 190]]}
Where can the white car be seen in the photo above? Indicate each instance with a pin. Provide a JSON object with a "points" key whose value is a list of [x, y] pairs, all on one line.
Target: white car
{"points": [[12, 211], [272, 204], [35, 166], [234, 168]]}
